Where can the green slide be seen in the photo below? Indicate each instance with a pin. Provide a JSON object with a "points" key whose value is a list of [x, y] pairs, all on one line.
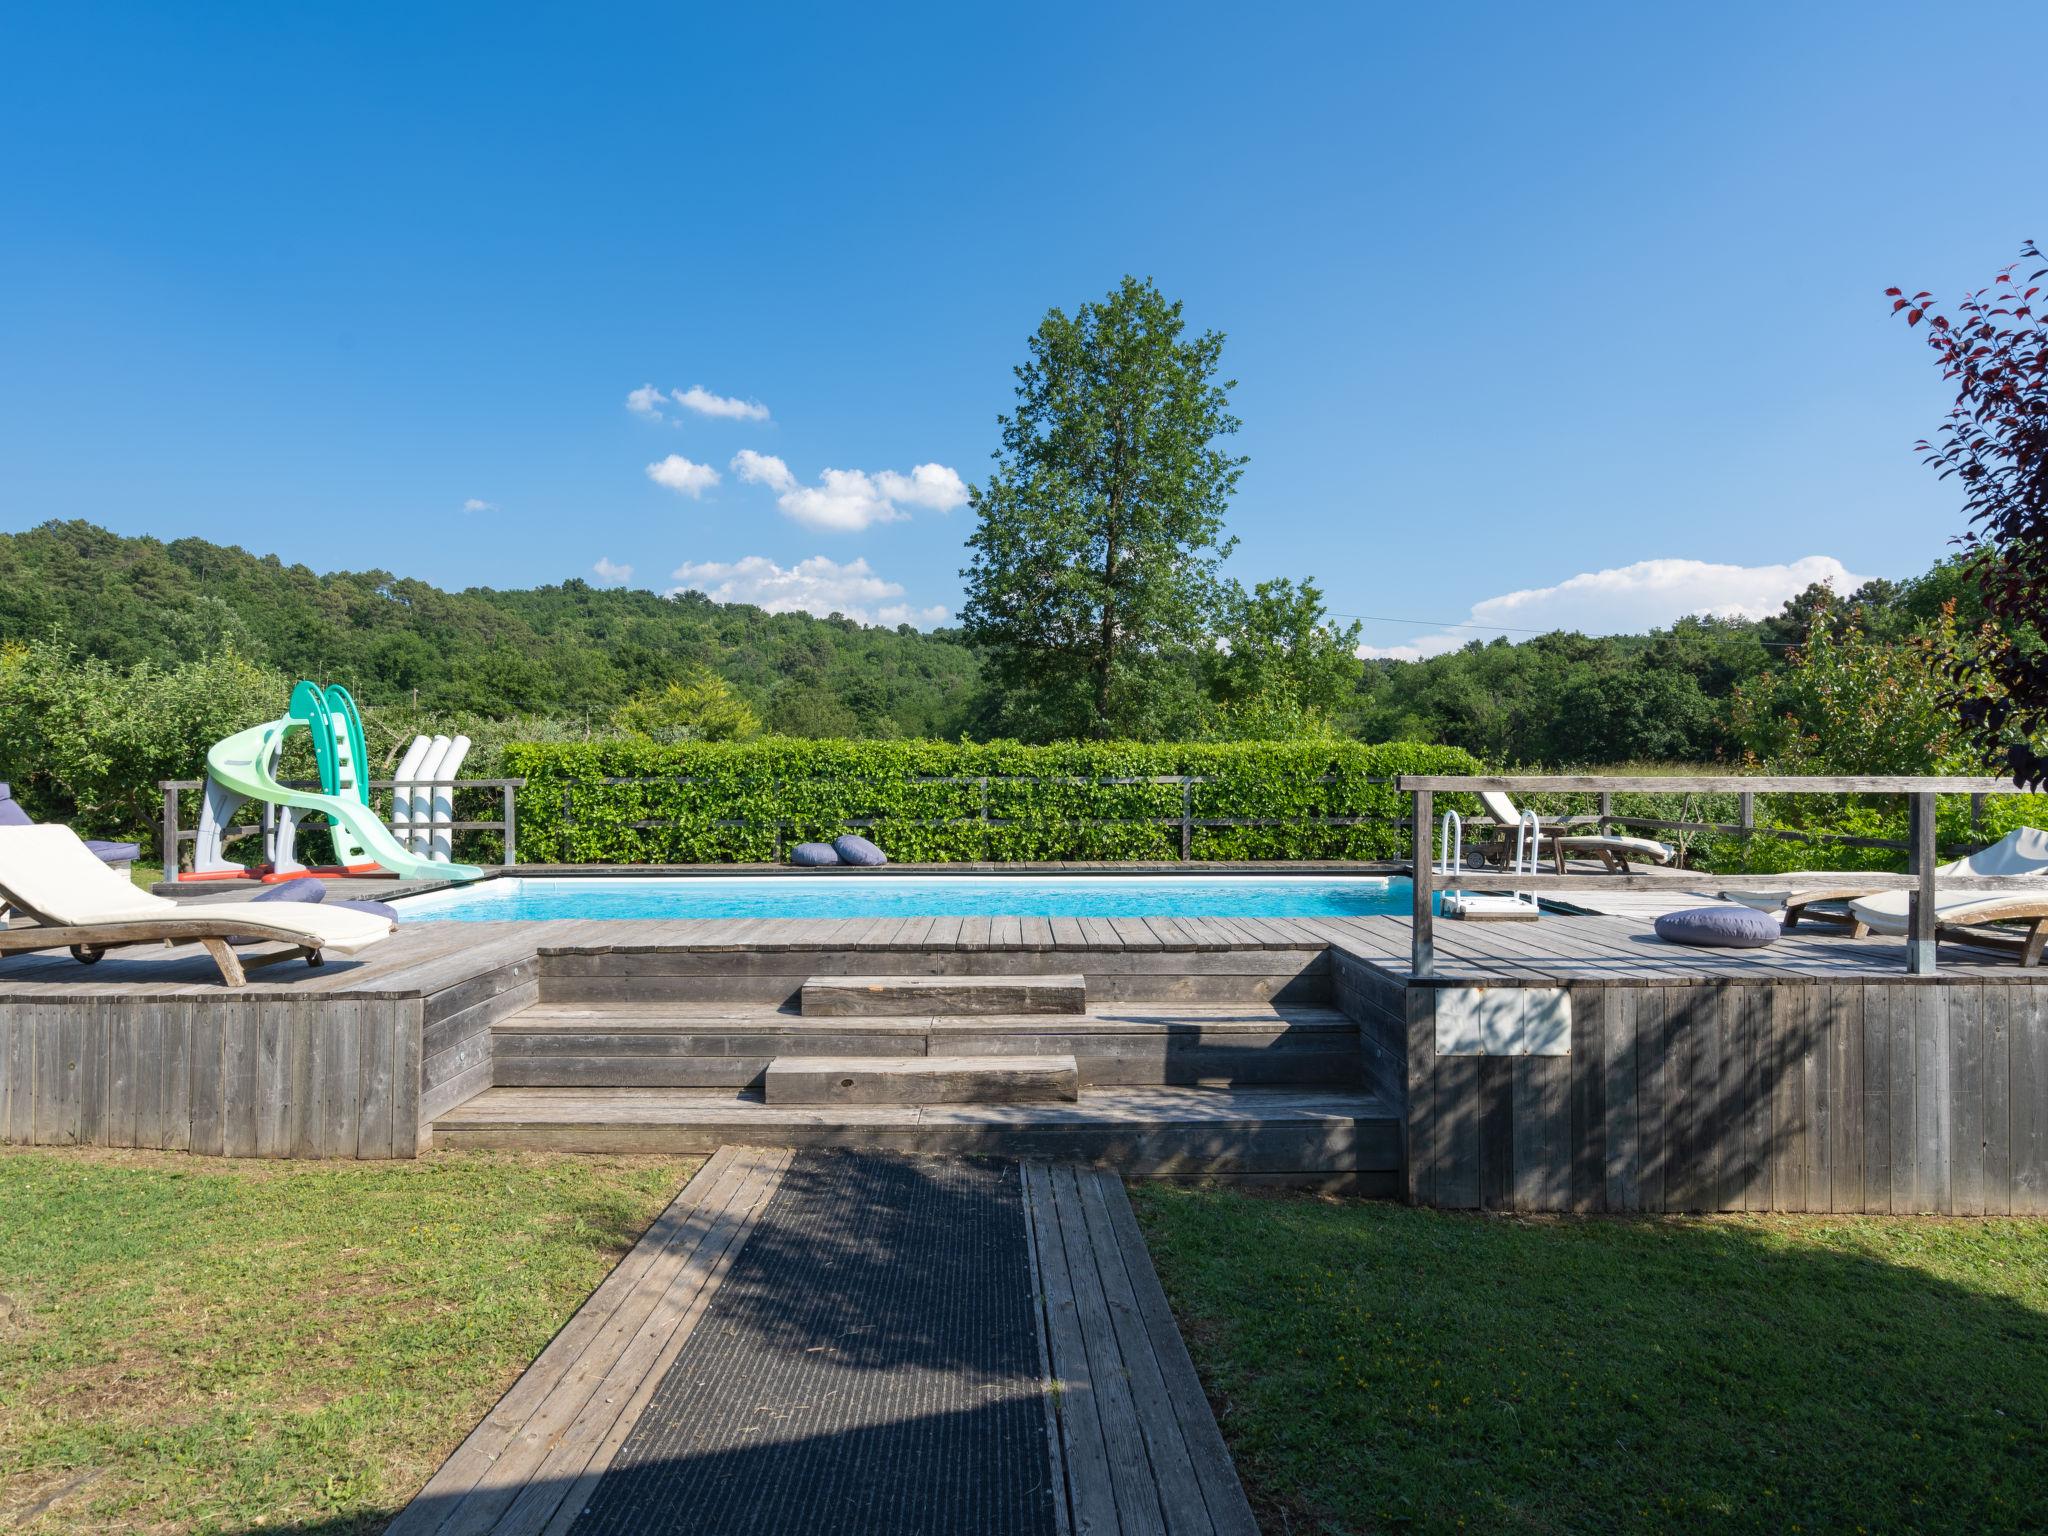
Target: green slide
{"points": [[242, 762]]}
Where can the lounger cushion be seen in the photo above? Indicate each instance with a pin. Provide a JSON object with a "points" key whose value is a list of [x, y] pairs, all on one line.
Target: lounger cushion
{"points": [[11, 813], [1718, 928], [811, 855], [49, 870], [113, 853], [858, 850], [1627, 847]]}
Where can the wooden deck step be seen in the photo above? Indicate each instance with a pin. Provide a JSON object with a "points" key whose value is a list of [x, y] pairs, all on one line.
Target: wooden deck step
{"points": [[896, 996], [718, 1049], [921, 1080], [1338, 1139]]}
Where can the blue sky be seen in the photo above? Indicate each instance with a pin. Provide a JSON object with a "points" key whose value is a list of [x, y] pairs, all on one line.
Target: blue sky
{"points": [[1574, 301]]}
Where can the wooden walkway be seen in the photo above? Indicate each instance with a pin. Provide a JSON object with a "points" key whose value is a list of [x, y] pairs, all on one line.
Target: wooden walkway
{"points": [[1133, 1443], [533, 1462]]}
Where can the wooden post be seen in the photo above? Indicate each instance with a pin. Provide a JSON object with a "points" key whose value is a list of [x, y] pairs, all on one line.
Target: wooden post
{"points": [[1976, 818], [169, 851], [1747, 817], [1187, 819], [1606, 812], [511, 856], [1920, 904], [1422, 944]]}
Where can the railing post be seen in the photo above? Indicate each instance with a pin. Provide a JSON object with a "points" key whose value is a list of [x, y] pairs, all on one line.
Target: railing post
{"points": [[1747, 817], [511, 856], [1187, 818], [1606, 811], [1422, 943], [169, 852], [1920, 904]]}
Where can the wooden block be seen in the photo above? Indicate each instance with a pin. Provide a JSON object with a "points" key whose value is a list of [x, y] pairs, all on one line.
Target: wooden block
{"points": [[877, 996], [921, 1080]]}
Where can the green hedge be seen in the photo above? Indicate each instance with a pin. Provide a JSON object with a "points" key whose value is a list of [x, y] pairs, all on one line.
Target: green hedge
{"points": [[923, 801]]}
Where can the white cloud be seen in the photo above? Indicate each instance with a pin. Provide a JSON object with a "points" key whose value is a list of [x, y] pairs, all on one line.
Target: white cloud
{"points": [[646, 401], [611, 572], [848, 500], [762, 469], [1632, 598], [680, 474], [474, 504], [699, 399], [818, 585], [929, 485]]}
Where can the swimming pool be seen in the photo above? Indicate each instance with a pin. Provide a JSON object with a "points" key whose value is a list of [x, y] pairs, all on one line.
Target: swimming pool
{"points": [[519, 898]]}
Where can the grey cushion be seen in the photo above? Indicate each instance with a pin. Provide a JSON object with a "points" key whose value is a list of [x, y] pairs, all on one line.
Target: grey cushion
{"points": [[114, 853], [812, 854], [858, 850], [305, 888], [11, 813], [1718, 928]]}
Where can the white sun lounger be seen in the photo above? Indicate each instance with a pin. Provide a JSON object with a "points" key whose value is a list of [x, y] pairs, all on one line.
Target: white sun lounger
{"points": [[1963, 916], [79, 904], [1614, 852]]}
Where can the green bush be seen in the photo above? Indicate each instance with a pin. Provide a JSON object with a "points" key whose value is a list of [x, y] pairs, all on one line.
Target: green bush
{"points": [[941, 802]]}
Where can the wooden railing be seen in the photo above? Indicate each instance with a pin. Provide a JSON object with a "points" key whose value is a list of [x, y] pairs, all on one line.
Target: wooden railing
{"points": [[1919, 844], [175, 837]]}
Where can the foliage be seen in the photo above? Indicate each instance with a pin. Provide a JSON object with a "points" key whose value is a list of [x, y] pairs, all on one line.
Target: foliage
{"points": [[197, 1344], [701, 707], [85, 741], [1094, 561], [1394, 1369], [1278, 667], [571, 653], [939, 802], [1995, 442]]}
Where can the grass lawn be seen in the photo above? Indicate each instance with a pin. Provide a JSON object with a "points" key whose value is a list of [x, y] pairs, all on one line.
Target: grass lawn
{"points": [[1381, 1368], [197, 1345]]}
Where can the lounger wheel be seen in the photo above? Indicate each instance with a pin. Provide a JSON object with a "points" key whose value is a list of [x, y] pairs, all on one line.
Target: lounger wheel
{"points": [[87, 954], [315, 959]]}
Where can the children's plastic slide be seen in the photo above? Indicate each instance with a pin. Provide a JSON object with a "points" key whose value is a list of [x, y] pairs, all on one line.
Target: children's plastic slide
{"points": [[243, 767]]}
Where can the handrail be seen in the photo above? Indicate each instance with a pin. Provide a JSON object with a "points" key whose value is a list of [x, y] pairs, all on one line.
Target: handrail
{"points": [[174, 837], [1920, 793]]}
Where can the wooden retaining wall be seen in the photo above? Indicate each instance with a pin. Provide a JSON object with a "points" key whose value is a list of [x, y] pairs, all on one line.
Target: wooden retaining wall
{"points": [[1810, 1095]]}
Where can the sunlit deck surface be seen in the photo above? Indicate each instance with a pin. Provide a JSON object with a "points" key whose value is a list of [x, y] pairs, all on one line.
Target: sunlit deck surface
{"points": [[425, 958]]}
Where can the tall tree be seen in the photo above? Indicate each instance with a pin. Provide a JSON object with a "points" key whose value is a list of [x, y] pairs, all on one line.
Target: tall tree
{"points": [[1094, 561], [1995, 442]]}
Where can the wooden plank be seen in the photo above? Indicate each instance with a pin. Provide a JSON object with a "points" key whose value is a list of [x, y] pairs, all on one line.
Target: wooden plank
{"points": [[1877, 1099], [174, 1120], [1757, 1069], [2027, 1021], [377, 1026], [1496, 1133], [1818, 1100], [1588, 1091], [1786, 1071], [1223, 1495], [1130, 1476], [1623, 1149], [1966, 1051], [1844, 1025], [1931, 1103], [271, 1099], [1424, 1144], [1998, 1100], [1540, 1104], [1171, 1468], [1652, 1060], [1904, 1065], [1083, 1447]]}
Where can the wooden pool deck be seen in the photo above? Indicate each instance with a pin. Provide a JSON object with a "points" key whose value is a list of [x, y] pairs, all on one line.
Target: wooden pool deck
{"points": [[1814, 1074]]}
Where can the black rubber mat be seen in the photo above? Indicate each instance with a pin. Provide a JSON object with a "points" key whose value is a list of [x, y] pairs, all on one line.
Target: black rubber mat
{"points": [[870, 1365]]}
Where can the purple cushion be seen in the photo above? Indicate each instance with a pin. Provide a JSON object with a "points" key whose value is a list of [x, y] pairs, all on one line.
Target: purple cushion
{"points": [[1718, 927], [374, 908], [11, 814], [811, 855], [858, 850], [306, 889], [114, 853]]}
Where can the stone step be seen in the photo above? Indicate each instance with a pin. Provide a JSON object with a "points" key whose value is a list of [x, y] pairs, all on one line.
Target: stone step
{"points": [[921, 1080], [900, 996]]}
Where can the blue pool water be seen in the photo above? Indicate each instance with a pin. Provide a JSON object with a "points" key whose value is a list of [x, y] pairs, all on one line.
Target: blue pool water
{"points": [[516, 899]]}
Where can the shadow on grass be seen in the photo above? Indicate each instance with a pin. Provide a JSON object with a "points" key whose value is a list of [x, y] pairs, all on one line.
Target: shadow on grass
{"points": [[1377, 1367]]}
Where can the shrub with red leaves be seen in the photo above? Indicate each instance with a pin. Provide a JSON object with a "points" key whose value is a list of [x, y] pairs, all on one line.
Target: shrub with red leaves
{"points": [[1994, 347]]}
